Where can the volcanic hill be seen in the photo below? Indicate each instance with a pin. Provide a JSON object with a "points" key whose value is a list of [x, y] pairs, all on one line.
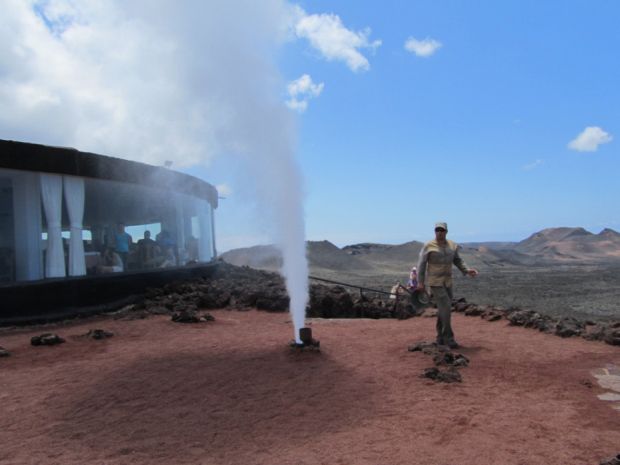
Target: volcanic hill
{"points": [[547, 247]]}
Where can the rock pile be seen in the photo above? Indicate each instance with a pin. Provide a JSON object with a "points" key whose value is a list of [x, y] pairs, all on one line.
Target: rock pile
{"points": [[615, 460], [191, 316], [563, 327], [451, 375], [242, 288], [47, 339], [446, 362], [98, 334]]}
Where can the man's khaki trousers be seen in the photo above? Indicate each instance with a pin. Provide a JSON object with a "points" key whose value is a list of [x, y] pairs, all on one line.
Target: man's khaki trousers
{"points": [[443, 299]]}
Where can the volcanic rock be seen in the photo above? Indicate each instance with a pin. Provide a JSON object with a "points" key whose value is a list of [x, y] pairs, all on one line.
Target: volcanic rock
{"points": [[47, 339], [519, 317], [428, 348], [215, 297], [450, 359], [461, 307], [473, 310], [612, 336], [530, 319], [182, 307], [4, 352], [492, 315], [594, 332], [191, 316], [330, 302], [451, 375], [157, 310], [99, 334], [545, 324], [615, 460], [273, 301], [134, 315], [568, 327], [403, 309]]}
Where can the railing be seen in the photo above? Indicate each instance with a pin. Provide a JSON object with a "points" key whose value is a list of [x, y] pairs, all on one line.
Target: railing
{"points": [[362, 288]]}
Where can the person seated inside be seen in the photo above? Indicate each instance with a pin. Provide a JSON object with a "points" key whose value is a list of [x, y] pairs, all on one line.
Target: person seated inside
{"points": [[110, 262], [413, 279], [149, 253], [169, 258], [164, 240]]}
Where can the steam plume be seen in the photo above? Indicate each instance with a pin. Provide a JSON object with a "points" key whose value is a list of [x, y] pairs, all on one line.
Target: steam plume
{"points": [[157, 80]]}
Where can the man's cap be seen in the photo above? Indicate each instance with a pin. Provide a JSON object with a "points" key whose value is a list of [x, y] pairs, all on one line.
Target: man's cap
{"points": [[441, 225]]}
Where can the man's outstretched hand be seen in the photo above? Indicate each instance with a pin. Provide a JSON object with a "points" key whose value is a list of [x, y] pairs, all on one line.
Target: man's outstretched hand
{"points": [[471, 272]]}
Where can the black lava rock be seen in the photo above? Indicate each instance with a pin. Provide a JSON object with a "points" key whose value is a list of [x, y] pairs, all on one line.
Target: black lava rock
{"points": [[428, 348], [451, 375], [99, 334], [568, 327], [615, 460], [473, 310], [612, 336], [450, 359], [47, 339]]}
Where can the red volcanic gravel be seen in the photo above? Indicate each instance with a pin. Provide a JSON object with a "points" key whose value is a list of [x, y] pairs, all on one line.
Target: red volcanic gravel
{"points": [[233, 392]]}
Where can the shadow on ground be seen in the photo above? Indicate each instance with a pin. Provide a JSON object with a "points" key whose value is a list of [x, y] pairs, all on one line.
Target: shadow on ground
{"points": [[213, 405]]}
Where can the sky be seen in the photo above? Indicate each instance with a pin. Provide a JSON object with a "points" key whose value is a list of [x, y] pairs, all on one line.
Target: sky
{"points": [[500, 118]]}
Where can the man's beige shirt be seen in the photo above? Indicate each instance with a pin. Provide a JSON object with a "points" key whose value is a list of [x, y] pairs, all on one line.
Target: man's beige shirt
{"points": [[435, 264]]}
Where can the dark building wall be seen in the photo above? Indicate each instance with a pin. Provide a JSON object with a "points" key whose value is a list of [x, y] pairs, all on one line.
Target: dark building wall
{"points": [[62, 298]]}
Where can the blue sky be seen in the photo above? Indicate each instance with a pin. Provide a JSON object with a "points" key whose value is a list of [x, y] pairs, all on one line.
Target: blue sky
{"points": [[475, 133]]}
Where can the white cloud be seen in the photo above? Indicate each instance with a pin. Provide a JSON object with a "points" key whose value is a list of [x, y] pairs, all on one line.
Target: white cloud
{"points": [[590, 139], [535, 164], [300, 91], [422, 48], [146, 79], [327, 34], [304, 86]]}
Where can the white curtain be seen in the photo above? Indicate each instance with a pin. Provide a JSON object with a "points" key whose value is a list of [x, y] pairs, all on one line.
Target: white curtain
{"points": [[74, 197], [51, 193], [212, 219], [27, 222], [180, 229], [205, 250]]}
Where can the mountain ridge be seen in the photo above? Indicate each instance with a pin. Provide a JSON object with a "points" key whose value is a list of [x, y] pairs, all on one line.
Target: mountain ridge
{"points": [[546, 247]]}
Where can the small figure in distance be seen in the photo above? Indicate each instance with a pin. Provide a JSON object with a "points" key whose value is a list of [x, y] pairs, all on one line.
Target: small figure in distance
{"points": [[435, 270], [412, 284]]}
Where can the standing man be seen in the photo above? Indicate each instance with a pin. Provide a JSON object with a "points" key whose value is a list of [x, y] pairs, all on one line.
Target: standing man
{"points": [[435, 270], [122, 241]]}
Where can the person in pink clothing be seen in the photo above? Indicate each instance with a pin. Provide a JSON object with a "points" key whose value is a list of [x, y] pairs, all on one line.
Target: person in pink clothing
{"points": [[413, 279]]}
